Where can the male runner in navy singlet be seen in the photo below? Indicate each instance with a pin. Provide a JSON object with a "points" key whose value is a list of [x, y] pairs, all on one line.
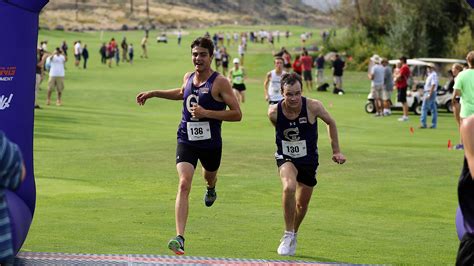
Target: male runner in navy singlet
{"points": [[294, 118], [205, 94]]}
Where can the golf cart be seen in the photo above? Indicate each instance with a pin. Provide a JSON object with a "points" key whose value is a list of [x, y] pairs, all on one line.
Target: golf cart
{"points": [[162, 38]]}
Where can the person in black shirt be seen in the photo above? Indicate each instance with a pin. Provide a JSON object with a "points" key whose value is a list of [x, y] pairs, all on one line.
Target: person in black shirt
{"points": [[338, 67], [103, 53], [85, 55]]}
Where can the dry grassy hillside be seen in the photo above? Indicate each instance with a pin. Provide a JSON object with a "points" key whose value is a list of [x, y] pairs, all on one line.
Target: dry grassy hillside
{"points": [[118, 14]]}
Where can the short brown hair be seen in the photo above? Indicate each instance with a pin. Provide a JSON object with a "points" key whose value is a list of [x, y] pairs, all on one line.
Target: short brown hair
{"points": [[470, 58], [204, 43], [290, 79]]}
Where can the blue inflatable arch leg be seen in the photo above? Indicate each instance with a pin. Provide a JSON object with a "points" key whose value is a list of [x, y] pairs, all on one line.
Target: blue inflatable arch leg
{"points": [[19, 20]]}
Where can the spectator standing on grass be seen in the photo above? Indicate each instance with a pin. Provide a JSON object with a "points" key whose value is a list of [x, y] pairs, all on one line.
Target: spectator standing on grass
{"points": [[85, 55], [180, 35], [124, 47], [319, 63], [307, 67], [64, 48], [117, 55], [131, 53], [429, 97], [377, 75], [144, 44], [338, 67], [103, 53], [110, 53], [387, 88], [77, 53], [401, 81], [297, 65], [56, 76]]}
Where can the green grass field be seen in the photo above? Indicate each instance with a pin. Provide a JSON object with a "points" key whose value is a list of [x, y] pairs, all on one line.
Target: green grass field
{"points": [[106, 178]]}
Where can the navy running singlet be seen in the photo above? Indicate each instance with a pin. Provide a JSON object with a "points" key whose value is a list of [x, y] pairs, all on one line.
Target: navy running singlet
{"points": [[204, 132], [297, 139]]}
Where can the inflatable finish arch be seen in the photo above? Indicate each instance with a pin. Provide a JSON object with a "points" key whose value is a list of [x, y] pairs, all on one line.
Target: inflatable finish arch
{"points": [[19, 23]]}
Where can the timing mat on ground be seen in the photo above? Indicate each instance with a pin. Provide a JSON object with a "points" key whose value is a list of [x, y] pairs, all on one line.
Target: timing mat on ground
{"points": [[39, 258]]}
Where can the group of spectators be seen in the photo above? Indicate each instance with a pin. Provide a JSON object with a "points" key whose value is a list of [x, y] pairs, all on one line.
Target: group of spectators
{"points": [[111, 51], [304, 63]]}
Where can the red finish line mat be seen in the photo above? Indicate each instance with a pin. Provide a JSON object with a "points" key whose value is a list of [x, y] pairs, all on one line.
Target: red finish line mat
{"points": [[39, 258]]}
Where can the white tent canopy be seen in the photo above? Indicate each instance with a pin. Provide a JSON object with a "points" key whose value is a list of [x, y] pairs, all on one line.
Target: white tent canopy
{"points": [[410, 62]]}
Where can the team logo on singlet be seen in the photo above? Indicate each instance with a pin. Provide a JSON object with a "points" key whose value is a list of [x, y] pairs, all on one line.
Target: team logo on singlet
{"points": [[292, 134], [303, 120], [191, 100]]}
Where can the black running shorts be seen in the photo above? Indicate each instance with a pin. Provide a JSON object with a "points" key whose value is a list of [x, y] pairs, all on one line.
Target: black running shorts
{"points": [[210, 158], [306, 172]]}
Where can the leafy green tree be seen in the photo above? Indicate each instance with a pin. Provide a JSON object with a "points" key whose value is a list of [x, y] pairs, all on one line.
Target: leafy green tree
{"points": [[413, 28]]}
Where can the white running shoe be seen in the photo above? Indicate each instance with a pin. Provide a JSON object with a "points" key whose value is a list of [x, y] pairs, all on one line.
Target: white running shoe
{"points": [[286, 243], [293, 245]]}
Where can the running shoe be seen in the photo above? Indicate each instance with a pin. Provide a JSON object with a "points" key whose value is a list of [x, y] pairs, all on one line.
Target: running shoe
{"points": [[210, 197], [177, 245], [286, 243]]}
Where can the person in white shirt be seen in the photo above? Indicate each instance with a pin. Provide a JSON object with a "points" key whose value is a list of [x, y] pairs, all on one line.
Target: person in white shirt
{"points": [[56, 76], [429, 97], [77, 53], [377, 73]]}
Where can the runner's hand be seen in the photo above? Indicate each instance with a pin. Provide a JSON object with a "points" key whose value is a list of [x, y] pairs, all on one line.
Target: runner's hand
{"points": [[141, 98], [197, 111], [338, 158]]}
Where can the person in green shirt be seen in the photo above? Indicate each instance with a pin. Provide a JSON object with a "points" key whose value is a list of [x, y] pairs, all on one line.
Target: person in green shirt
{"points": [[464, 87], [236, 76]]}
